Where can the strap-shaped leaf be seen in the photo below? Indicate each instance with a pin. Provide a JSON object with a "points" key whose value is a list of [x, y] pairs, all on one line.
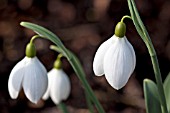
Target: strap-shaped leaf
{"points": [[151, 97], [167, 90], [146, 38]]}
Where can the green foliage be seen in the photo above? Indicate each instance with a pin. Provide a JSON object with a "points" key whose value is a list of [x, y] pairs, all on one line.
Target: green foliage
{"points": [[167, 90], [151, 96], [146, 38]]}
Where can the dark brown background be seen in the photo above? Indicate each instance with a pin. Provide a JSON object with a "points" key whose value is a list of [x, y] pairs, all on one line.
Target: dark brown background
{"points": [[82, 25]]}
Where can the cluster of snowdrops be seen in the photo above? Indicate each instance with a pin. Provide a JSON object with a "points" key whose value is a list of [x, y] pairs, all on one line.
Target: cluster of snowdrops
{"points": [[31, 75], [115, 58]]}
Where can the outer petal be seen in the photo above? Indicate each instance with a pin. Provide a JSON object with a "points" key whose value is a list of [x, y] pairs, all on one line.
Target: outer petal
{"points": [[15, 79], [133, 53], [119, 63], [99, 56], [47, 93], [35, 80], [60, 87]]}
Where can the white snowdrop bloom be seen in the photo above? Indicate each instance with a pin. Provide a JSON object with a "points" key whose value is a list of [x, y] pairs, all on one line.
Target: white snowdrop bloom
{"points": [[116, 59], [30, 75], [58, 87]]}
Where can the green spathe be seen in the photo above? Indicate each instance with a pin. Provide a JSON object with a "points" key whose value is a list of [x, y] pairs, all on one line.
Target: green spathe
{"points": [[58, 64], [120, 29], [30, 50]]}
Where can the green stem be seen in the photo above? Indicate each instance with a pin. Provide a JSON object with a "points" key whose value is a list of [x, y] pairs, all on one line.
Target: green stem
{"points": [[60, 55], [159, 83], [126, 16], [63, 108], [89, 102], [34, 37], [81, 75], [146, 38]]}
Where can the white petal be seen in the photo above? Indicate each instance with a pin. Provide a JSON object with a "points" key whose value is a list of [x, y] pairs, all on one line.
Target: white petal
{"points": [[15, 79], [35, 80], [99, 56], [133, 53], [119, 63], [47, 93], [60, 87]]}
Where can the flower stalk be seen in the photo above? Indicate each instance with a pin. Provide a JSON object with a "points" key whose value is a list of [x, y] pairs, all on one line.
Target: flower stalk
{"points": [[146, 38], [34, 37], [63, 108], [124, 17], [89, 103]]}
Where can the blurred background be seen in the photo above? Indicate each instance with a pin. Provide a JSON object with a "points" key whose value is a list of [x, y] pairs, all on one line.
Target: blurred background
{"points": [[82, 26]]}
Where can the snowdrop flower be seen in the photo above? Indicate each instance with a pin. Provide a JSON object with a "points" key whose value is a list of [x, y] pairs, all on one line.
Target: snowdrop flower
{"points": [[30, 75], [115, 58], [59, 84]]}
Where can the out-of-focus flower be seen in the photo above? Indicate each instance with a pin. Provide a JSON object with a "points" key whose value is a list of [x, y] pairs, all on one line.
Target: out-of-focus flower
{"points": [[115, 58], [30, 75], [59, 84]]}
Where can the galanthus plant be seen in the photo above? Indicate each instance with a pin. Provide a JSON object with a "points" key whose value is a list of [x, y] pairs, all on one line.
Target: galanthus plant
{"points": [[59, 83], [115, 59], [29, 74]]}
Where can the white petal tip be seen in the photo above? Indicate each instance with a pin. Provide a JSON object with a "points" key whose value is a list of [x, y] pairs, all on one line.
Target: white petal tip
{"points": [[14, 97], [56, 102], [98, 71], [34, 101], [97, 74], [117, 88], [45, 98], [13, 94]]}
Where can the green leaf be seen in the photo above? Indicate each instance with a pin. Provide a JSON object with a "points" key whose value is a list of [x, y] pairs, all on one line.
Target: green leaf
{"points": [[135, 20], [140, 26], [151, 97], [167, 90], [146, 38]]}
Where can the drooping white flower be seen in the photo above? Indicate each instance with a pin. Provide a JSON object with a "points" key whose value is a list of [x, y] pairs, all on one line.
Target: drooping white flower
{"points": [[58, 87], [116, 59], [30, 75]]}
